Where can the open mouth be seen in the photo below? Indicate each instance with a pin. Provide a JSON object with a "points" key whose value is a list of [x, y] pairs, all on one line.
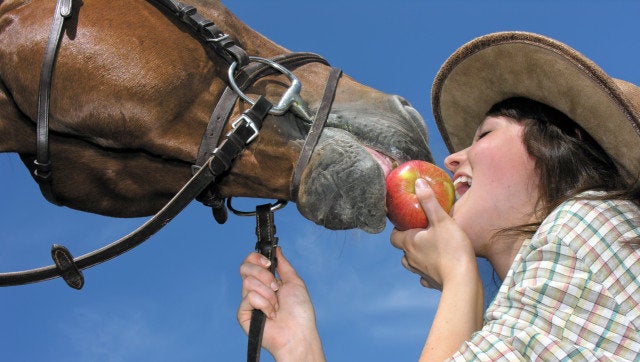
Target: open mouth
{"points": [[462, 184]]}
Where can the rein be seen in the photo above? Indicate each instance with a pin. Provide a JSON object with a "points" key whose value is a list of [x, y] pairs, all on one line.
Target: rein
{"points": [[211, 162]]}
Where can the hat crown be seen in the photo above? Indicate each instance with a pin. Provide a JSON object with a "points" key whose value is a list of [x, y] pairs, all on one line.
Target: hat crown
{"points": [[502, 65]]}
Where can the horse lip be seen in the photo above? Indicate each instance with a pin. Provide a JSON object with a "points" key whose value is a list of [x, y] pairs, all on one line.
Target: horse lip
{"points": [[344, 190]]}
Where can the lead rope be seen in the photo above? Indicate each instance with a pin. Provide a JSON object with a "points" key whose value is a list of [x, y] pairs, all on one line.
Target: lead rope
{"points": [[265, 226], [71, 269], [266, 245]]}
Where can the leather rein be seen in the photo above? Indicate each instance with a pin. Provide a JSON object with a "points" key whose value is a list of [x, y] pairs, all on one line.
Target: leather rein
{"points": [[215, 156]]}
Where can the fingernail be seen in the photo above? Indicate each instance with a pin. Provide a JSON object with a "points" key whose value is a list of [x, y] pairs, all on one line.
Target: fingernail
{"points": [[275, 286], [265, 261], [422, 183]]}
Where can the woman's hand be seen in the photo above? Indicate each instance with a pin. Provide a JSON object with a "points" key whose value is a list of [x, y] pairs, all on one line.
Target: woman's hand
{"points": [[439, 252], [290, 332], [443, 256]]}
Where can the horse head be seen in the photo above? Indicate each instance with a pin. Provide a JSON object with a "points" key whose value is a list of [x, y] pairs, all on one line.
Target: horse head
{"points": [[131, 97]]}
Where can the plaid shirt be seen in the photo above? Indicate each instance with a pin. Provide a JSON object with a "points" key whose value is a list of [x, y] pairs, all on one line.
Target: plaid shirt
{"points": [[572, 293]]}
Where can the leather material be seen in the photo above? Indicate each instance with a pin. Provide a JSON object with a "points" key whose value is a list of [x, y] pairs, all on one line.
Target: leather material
{"points": [[42, 172], [266, 245], [192, 188], [209, 163], [207, 31], [215, 166], [245, 77], [316, 130], [67, 267], [221, 113], [205, 173]]}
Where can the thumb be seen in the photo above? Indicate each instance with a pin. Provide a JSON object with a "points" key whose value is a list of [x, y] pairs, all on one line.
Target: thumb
{"points": [[285, 270], [429, 202]]}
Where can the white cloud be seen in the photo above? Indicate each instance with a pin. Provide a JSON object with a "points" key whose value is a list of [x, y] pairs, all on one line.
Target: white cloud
{"points": [[109, 335], [359, 288], [402, 298]]}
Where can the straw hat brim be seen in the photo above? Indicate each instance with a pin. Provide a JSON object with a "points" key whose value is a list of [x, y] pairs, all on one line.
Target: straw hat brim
{"points": [[501, 65]]}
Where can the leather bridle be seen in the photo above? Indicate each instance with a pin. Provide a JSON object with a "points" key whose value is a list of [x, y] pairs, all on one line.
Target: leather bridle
{"points": [[215, 155]]}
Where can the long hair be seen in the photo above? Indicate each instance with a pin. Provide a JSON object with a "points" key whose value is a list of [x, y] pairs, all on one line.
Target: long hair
{"points": [[568, 160]]}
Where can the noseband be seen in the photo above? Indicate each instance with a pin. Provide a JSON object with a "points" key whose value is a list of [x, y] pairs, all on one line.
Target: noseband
{"points": [[215, 155]]}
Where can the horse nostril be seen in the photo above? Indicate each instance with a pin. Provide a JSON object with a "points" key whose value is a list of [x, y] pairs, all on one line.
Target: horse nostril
{"points": [[402, 101], [404, 107]]}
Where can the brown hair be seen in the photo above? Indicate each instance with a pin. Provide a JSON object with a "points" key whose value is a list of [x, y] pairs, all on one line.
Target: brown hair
{"points": [[568, 160]]}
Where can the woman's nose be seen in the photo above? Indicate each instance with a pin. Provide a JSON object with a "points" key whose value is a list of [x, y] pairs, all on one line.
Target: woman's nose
{"points": [[453, 161]]}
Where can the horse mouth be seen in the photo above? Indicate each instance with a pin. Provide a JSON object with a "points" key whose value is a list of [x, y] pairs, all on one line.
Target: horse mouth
{"points": [[344, 184], [387, 163]]}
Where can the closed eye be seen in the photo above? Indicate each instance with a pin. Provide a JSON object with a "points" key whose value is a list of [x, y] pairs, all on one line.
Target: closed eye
{"points": [[481, 135]]}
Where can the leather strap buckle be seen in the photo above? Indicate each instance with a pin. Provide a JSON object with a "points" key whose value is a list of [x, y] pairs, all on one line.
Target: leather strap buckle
{"points": [[248, 122]]}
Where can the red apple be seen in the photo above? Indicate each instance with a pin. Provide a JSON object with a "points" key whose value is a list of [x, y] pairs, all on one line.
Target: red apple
{"points": [[403, 207]]}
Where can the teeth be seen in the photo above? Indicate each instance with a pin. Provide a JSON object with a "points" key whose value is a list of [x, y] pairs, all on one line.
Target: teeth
{"points": [[462, 179]]}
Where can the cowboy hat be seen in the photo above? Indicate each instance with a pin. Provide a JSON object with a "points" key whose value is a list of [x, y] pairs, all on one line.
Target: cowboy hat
{"points": [[498, 66]]}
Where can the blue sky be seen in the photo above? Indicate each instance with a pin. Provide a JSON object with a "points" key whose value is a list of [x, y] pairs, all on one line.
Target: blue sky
{"points": [[175, 297]]}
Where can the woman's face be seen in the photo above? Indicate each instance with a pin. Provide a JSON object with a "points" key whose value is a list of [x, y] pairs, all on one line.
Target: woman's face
{"points": [[496, 182]]}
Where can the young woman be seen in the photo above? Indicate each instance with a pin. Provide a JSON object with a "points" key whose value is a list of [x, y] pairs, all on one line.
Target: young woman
{"points": [[546, 163]]}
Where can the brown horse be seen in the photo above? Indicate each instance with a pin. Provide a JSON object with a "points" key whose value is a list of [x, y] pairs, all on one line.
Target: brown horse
{"points": [[132, 93]]}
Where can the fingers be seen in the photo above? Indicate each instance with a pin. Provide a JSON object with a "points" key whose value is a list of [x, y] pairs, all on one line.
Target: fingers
{"points": [[429, 252], [264, 300], [256, 266], [425, 280], [430, 283], [396, 238], [399, 238], [427, 198], [435, 214], [259, 285]]}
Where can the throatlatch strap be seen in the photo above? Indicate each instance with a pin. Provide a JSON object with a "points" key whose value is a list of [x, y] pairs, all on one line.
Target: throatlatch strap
{"points": [[266, 245]]}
